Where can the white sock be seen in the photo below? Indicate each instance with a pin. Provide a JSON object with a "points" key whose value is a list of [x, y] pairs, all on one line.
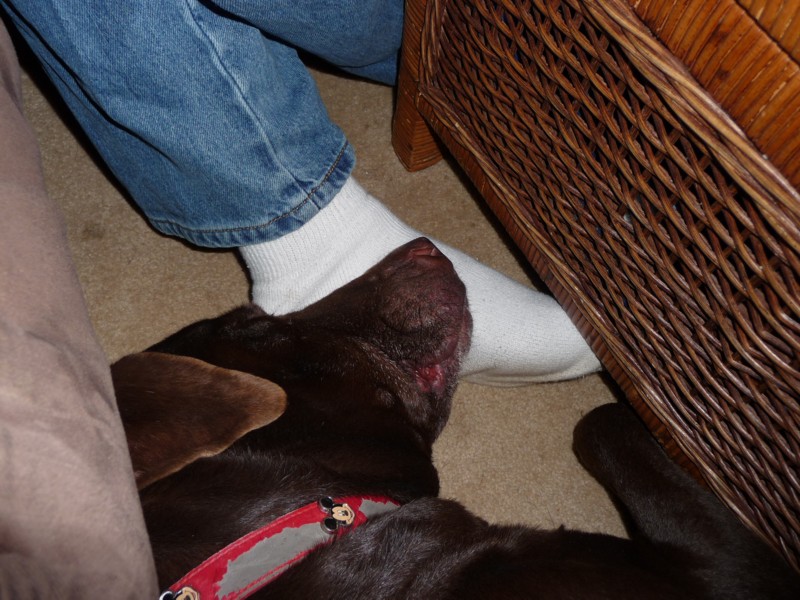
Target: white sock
{"points": [[519, 335]]}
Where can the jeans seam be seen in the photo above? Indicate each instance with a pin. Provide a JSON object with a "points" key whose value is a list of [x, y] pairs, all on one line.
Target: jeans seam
{"points": [[227, 73], [274, 220]]}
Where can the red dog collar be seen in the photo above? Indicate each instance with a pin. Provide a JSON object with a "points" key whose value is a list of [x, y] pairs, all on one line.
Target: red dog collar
{"points": [[251, 562]]}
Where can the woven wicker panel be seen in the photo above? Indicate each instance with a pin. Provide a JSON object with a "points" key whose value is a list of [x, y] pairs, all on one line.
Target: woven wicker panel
{"points": [[674, 239]]}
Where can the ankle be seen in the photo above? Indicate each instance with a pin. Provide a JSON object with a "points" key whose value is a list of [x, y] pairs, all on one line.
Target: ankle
{"points": [[342, 241]]}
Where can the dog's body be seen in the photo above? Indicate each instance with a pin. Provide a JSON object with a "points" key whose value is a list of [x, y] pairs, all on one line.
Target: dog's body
{"points": [[369, 373]]}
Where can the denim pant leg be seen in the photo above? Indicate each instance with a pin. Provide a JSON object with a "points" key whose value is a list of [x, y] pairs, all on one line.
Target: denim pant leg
{"points": [[359, 36], [214, 127]]}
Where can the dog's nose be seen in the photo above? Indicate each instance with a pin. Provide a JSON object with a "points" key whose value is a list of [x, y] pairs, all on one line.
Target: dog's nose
{"points": [[417, 259], [421, 258], [423, 247]]}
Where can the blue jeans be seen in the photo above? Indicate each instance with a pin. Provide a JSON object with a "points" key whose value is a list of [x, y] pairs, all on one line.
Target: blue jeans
{"points": [[203, 110]]}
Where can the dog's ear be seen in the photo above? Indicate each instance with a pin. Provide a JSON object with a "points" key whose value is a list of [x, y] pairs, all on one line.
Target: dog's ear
{"points": [[177, 409]]}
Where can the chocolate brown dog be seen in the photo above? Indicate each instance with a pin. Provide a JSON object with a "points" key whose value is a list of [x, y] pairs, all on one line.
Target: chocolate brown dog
{"points": [[320, 424]]}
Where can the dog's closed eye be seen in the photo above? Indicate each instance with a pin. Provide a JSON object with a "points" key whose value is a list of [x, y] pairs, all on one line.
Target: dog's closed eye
{"points": [[177, 409]]}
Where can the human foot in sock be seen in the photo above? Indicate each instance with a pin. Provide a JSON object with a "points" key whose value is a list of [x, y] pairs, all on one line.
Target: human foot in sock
{"points": [[519, 335]]}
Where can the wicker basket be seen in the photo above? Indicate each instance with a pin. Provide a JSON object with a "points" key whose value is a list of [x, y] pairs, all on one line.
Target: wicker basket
{"points": [[651, 212]]}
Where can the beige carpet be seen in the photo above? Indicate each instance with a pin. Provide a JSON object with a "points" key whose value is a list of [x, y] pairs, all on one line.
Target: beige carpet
{"points": [[505, 453]]}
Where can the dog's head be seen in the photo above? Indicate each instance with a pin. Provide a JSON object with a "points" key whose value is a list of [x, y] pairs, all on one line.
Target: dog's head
{"points": [[379, 356], [409, 316]]}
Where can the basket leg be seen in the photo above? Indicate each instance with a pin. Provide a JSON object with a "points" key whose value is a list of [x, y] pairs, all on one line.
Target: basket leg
{"points": [[412, 138]]}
